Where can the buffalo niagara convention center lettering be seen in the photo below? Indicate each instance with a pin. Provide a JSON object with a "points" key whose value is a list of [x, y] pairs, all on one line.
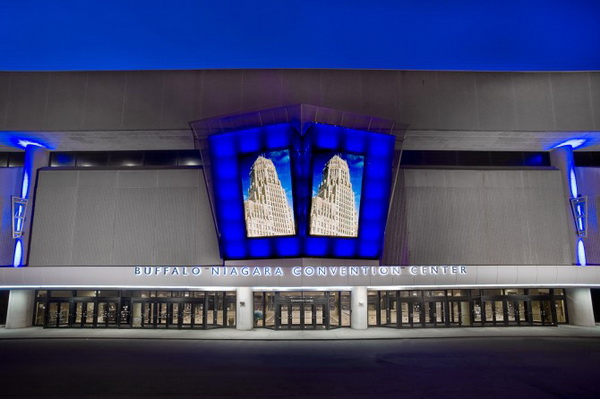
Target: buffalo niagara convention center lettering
{"points": [[298, 271]]}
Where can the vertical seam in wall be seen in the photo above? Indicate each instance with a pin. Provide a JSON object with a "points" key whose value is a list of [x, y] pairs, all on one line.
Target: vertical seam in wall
{"points": [[201, 93], [87, 82], [280, 102], [438, 108], [552, 100], [10, 75], [589, 79], [477, 102], [514, 100], [242, 93], [115, 195], [123, 98], [71, 241], [162, 99], [45, 116]]}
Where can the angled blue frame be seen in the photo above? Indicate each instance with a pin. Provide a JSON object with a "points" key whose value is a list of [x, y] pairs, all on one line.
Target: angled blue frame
{"points": [[225, 152]]}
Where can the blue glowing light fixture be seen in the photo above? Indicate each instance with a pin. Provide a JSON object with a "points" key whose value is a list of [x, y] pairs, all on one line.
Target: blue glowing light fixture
{"points": [[575, 143], [581, 259], [579, 210], [18, 253], [19, 207]]}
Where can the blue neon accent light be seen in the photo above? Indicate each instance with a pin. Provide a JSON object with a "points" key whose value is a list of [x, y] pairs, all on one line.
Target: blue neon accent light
{"points": [[573, 183], [575, 143], [581, 258], [18, 253], [226, 152]]}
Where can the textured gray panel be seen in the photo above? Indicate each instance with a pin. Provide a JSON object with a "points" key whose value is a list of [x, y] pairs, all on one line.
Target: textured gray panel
{"points": [[207, 245], [66, 99], [301, 86], [137, 178], [135, 221], [594, 78], [419, 103], [97, 178], [261, 89], [53, 222], [94, 227], [533, 101], [176, 223], [57, 178], [485, 217], [381, 92], [179, 178], [222, 93], [457, 100], [495, 101], [104, 100], [27, 101], [342, 89], [4, 90], [572, 108], [181, 99], [143, 99]]}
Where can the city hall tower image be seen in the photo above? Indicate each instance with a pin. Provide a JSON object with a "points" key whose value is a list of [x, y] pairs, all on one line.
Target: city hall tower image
{"points": [[333, 211], [267, 210]]}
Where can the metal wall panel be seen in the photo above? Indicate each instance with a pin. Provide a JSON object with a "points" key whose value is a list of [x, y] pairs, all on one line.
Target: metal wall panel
{"points": [[146, 100], [481, 217], [142, 217]]}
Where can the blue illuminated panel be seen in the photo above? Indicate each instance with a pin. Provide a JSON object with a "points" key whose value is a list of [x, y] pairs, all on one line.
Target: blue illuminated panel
{"points": [[229, 150]]}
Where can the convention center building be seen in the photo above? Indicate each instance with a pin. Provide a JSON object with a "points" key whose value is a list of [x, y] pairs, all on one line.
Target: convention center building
{"points": [[298, 199]]}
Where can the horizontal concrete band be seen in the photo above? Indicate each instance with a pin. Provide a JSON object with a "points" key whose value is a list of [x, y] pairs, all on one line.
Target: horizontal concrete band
{"points": [[309, 277]]}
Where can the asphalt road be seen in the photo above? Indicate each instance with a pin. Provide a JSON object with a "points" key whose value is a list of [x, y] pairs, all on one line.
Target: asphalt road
{"points": [[408, 368]]}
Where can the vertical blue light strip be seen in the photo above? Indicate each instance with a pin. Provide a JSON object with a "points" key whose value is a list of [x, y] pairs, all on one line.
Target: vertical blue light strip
{"points": [[581, 259], [30, 148]]}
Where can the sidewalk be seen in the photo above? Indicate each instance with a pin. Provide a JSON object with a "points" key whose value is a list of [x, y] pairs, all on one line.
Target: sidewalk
{"points": [[372, 333]]}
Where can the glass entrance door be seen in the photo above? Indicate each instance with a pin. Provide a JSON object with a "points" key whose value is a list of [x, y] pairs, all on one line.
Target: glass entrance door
{"points": [[305, 310], [84, 314]]}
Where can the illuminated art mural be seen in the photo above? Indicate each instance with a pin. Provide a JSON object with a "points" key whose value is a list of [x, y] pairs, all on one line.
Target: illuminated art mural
{"points": [[267, 188], [337, 183]]}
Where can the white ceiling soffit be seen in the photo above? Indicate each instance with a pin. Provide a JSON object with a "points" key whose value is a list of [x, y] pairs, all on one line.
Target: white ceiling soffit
{"points": [[456, 140]]}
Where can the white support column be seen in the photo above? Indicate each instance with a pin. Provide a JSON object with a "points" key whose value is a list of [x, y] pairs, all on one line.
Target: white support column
{"points": [[580, 308], [359, 315], [20, 308], [244, 308]]}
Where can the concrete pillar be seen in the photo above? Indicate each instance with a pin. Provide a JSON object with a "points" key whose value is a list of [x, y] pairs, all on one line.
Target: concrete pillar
{"points": [[20, 308], [244, 308], [359, 308], [580, 308]]}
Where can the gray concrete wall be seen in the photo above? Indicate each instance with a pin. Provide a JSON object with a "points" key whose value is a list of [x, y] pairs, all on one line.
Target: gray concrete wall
{"points": [[108, 217], [478, 217], [426, 100], [10, 179]]}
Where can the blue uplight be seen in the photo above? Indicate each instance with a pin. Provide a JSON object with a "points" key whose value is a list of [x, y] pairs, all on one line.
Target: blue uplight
{"points": [[18, 253], [575, 143], [573, 184], [581, 258]]}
